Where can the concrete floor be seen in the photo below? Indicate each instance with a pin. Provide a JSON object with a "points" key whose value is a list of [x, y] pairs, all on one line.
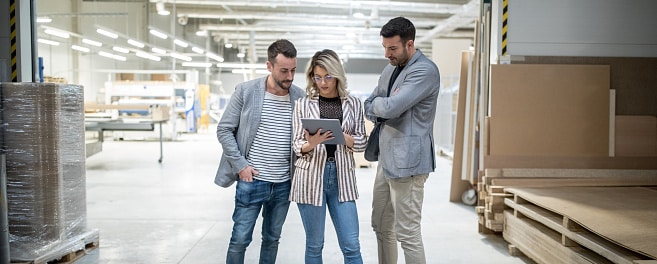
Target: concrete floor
{"points": [[147, 212]]}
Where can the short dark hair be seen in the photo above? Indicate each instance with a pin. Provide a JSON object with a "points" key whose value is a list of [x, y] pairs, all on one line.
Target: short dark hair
{"points": [[399, 26], [281, 46]]}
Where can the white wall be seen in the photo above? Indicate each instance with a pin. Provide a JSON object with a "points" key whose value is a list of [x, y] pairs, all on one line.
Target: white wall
{"points": [[579, 28], [447, 55]]}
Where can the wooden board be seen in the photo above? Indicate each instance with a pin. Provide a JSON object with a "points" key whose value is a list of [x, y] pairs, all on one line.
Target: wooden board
{"points": [[549, 110], [572, 235], [643, 163], [557, 182], [612, 122], [626, 216], [542, 244], [570, 173], [458, 185], [636, 136], [633, 78]]}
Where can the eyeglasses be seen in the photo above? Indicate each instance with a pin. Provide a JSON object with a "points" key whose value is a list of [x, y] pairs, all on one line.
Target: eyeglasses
{"points": [[326, 78]]}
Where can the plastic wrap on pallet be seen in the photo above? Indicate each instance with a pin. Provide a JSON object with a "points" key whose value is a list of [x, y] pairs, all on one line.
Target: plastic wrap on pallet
{"points": [[34, 175], [45, 166], [72, 149]]}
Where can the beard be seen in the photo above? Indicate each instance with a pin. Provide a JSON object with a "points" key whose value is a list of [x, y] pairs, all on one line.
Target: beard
{"points": [[285, 85], [399, 61]]}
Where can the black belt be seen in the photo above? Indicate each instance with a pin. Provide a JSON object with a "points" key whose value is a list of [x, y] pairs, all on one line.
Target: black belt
{"points": [[330, 159]]}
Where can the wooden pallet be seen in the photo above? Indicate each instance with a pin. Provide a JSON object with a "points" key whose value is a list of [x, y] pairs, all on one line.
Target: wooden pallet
{"points": [[67, 251], [551, 237]]}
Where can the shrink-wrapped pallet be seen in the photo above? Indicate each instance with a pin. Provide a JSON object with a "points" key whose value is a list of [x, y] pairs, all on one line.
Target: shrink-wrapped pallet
{"points": [[44, 140], [31, 114]]}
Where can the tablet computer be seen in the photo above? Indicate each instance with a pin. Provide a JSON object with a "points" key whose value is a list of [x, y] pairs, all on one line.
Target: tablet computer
{"points": [[333, 125]]}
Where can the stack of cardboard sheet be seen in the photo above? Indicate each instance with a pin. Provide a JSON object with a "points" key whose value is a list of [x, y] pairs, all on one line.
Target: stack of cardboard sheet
{"points": [[555, 126], [557, 117], [583, 224]]}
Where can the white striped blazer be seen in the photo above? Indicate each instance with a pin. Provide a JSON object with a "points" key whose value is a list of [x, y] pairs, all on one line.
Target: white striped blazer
{"points": [[307, 183]]}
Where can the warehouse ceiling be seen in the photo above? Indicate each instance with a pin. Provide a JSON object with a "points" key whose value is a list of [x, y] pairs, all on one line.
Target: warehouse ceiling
{"points": [[349, 27]]}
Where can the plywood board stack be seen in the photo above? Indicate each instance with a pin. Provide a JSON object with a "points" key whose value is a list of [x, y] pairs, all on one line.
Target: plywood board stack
{"points": [[551, 125], [495, 182], [556, 122], [583, 224], [541, 111]]}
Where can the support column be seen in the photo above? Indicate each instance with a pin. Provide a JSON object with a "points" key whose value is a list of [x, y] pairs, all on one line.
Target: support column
{"points": [[18, 51]]}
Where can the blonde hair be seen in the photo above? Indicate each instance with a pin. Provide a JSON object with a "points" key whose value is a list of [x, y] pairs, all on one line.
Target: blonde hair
{"points": [[329, 61]]}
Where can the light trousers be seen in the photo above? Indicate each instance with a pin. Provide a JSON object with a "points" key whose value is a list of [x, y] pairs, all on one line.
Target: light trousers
{"points": [[397, 216]]}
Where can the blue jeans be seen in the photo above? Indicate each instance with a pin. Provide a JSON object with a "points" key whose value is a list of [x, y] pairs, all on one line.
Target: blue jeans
{"points": [[250, 197], [345, 220]]}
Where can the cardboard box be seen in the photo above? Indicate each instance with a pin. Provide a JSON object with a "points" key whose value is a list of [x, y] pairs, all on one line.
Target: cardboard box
{"points": [[160, 77], [159, 112]]}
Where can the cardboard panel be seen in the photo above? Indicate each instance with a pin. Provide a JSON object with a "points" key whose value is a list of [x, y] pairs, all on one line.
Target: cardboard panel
{"points": [[634, 79], [636, 136], [549, 110], [622, 215], [458, 184]]}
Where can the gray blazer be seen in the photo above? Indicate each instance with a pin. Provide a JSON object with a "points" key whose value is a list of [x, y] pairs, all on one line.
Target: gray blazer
{"points": [[406, 139], [238, 126]]}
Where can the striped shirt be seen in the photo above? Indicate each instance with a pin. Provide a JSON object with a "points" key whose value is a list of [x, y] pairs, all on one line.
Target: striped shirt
{"points": [[307, 184], [270, 152]]}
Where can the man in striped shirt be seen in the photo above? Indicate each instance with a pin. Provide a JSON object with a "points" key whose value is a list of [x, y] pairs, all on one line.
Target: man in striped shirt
{"points": [[255, 135]]}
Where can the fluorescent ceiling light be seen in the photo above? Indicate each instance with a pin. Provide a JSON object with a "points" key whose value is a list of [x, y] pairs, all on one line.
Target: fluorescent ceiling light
{"points": [[159, 51], [240, 55], [180, 43], [80, 48], [147, 56], [198, 50], [228, 45], [107, 33], [120, 49], [57, 33], [158, 34], [197, 64], [112, 56], [43, 20], [242, 65], [49, 42], [180, 56], [242, 71], [136, 43], [214, 57], [202, 33], [92, 42]]}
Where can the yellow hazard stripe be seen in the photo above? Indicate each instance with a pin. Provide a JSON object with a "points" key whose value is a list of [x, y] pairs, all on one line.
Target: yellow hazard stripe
{"points": [[12, 27], [505, 18]]}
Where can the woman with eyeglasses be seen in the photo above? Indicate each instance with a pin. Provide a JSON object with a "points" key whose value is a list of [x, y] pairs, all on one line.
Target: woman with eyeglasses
{"points": [[324, 176]]}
